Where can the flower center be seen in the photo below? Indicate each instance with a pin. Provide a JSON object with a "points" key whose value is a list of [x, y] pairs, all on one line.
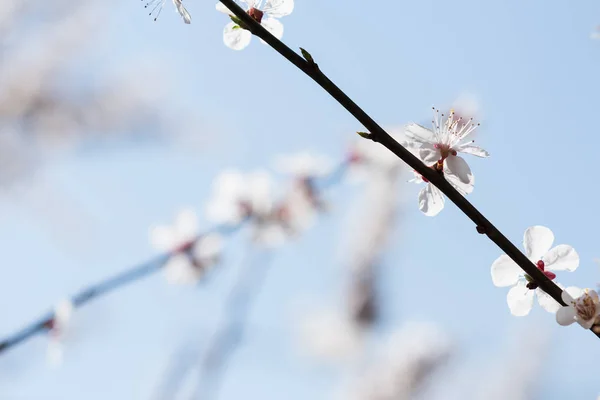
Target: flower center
{"points": [[445, 150], [256, 14], [585, 307], [531, 283], [449, 130]]}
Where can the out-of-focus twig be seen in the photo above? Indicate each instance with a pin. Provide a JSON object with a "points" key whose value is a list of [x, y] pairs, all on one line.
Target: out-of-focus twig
{"points": [[228, 335], [100, 289]]}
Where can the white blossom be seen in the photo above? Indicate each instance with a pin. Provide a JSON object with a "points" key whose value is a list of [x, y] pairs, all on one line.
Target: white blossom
{"points": [[537, 242], [583, 307], [238, 196], [235, 196], [431, 199], [444, 141], [191, 255], [156, 6], [58, 328], [265, 12]]}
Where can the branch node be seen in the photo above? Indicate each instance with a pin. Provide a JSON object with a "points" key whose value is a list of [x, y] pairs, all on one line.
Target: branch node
{"points": [[309, 59], [480, 230], [365, 135]]}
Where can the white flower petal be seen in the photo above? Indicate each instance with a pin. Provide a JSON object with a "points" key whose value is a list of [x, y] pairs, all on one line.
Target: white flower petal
{"points": [[431, 200], [428, 154], [208, 248], [221, 7], [62, 313], [187, 18], [586, 324], [561, 258], [186, 225], [235, 37], [505, 272], [571, 293], [469, 148], [520, 300], [259, 184], [546, 301], [273, 26], [279, 8], [180, 271], [419, 135], [566, 315], [459, 167], [162, 238], [537, 240], [463, 188]]}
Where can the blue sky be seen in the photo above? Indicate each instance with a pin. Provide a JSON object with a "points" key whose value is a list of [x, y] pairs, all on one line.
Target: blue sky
{"points": [[530, 64]]}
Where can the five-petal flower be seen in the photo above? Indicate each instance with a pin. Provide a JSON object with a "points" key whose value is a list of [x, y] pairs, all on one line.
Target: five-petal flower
{"points": [[439, 148], [583, 307], [537, 242], [267, 14]]}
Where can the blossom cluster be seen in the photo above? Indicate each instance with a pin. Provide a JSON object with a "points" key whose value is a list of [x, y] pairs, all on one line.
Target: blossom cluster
{"points": [[237, 200]]}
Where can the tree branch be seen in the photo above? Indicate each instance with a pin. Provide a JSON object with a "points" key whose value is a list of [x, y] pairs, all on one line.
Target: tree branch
{"points": [[378, 134]]}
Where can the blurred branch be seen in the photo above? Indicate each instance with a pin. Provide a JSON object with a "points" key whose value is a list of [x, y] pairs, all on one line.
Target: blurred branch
{"points": [[409, 359], [102, 288], [379, 135], [43, 105], [228, 335], [376, 219]]}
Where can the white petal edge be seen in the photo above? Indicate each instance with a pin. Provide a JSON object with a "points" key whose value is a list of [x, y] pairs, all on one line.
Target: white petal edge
{"points": [[520, 300], [221, 7], [459, 167], [187, 18], [418, 135], [505, 272], [279, 8], [162, 238], [547, 302], [565, 316], [431, 200], [273, 26], [571, 293], [537, 241], [186, 224], [463, 188], [561, 258], [235, 37], [469, 148]]}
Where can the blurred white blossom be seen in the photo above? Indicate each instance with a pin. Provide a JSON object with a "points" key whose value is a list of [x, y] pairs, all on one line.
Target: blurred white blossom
{"points": [[265, 12], [58, 329], [407, 360], [537, 242], [235, 196], [331, 335], [191, 255], [583, 307]]}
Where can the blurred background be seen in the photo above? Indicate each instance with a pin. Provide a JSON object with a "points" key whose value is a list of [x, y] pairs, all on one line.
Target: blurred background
{"points": [[111, 123]]}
